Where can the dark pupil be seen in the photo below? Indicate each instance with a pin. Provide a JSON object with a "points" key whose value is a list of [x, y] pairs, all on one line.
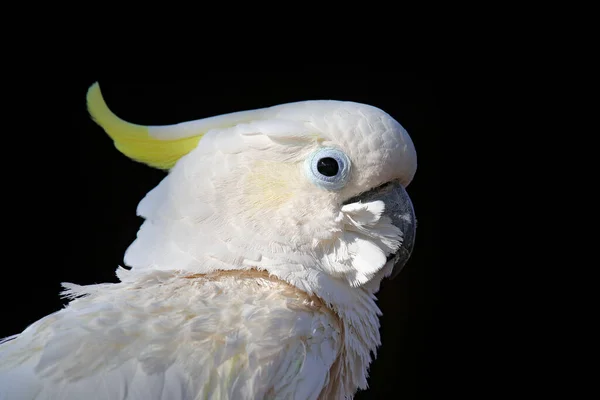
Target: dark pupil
{"points": [[327, 166]]}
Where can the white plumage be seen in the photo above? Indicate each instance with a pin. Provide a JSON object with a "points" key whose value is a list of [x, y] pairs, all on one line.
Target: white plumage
{"points": [[249, 280], [160, 335]]}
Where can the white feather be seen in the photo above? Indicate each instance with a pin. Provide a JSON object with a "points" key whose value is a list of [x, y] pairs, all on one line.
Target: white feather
{"points": [[162, 335]]}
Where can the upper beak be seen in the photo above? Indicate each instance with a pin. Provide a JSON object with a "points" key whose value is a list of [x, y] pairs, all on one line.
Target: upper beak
{"points": [[399, 208]]}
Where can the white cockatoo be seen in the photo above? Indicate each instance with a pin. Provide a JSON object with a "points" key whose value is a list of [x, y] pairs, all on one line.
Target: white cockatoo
{"points": [[255, 271]]}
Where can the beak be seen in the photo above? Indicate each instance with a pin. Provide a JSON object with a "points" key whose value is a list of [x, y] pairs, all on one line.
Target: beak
{"points": [[399, 208]]}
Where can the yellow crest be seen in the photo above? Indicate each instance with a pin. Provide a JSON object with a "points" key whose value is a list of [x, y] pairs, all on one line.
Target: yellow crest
{"points": [[136, 141]]}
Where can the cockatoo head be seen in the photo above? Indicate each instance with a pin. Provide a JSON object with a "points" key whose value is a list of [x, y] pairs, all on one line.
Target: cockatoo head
{"points": [[311, 189]]}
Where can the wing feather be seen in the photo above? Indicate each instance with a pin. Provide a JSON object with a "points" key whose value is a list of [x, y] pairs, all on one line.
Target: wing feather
{"points": [[160, 335]]}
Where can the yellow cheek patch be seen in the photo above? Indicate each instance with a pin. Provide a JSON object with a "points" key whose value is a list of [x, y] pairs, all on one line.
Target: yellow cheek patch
{"points": [[133, 140], [271, 184]]}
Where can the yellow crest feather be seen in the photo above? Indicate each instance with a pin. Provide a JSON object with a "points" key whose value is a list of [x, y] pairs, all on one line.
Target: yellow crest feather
{"points": [[135, 141]]}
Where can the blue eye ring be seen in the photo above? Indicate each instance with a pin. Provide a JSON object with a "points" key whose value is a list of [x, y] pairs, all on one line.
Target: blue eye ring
{"points": [[334, 182]]}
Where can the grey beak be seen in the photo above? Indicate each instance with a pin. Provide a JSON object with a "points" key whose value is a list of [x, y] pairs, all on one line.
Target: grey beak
{"points": [[399, 208]]}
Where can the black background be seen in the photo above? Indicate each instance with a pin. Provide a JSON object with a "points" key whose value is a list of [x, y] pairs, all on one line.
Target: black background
{"points": [[77, 207]]}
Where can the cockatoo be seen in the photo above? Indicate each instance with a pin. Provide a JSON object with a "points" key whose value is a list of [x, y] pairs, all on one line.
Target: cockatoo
{"points": [[254, 273]]}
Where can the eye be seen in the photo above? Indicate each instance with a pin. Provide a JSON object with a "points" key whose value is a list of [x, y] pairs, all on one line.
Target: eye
{"points": [[328, 168]]}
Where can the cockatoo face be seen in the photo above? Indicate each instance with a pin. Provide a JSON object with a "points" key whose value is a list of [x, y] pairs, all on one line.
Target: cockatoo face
{"points": [[312, 186]]}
